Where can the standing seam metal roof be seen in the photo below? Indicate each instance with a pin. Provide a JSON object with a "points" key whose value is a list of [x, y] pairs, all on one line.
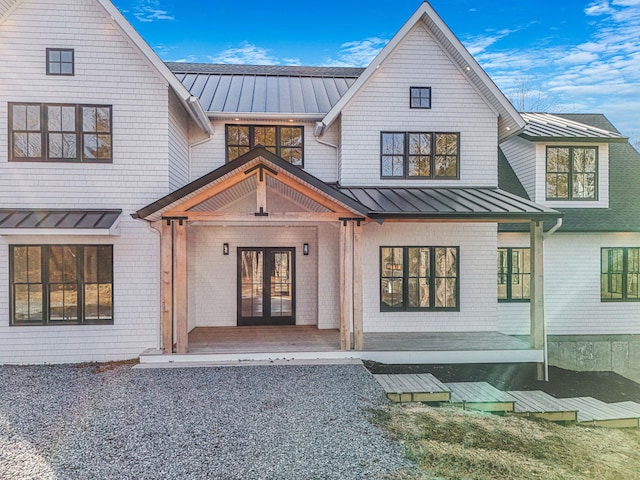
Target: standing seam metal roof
{"points": [[443, 202], [66, 219], [265, 88], [546, 126]]}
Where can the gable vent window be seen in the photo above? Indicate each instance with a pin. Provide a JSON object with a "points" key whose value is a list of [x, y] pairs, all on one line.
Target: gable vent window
{"points": [[420, 97], [60, 61]]}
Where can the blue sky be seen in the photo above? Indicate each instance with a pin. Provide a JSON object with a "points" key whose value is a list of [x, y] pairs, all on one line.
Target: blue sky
{"points": [[567, 55]]}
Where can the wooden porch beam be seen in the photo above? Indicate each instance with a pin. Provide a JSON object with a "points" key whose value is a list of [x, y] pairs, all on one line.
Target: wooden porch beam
{"points": [[346, 283], [180, 287], [358, 320], [166, 286], [536, 305], [273, 217]]}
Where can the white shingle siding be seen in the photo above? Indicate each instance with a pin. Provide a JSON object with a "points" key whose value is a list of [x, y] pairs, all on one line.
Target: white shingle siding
{"points": [[319, 160], [383, 105], [136, 309], [478, 247], [178, 143], [108, 70], [603, 176], [572, 287], [521, 155], [213, 276]]}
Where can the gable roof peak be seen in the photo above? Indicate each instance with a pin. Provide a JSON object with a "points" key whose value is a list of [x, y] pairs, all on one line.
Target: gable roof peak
{"points": [[509, 120]]}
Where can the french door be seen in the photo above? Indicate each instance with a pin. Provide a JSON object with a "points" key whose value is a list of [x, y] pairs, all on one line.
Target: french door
{"points": [[266, 286]]}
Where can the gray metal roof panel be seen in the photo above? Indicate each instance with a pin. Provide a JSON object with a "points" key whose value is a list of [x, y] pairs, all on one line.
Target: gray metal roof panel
{"points": [[58, 218], [447, 202], [284, 70], [265, 88], [546, 127]]}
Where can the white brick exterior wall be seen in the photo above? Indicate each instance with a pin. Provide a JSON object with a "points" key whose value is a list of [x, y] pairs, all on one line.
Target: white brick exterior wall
{"points": [[478, 304], [108, 70], [572, 287], [383, 105], [319, 160]]}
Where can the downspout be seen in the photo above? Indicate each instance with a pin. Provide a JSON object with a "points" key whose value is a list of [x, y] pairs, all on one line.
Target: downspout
{"points": [[546, 235]]}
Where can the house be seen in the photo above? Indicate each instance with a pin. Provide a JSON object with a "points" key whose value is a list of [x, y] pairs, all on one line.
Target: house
{"points": [[145, 203]]}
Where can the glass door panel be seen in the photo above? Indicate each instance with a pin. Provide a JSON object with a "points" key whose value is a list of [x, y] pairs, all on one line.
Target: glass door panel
{"points": [[266, 287]]}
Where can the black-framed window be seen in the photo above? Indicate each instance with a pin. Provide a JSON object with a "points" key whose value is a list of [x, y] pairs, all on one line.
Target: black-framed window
{"points": [[285, 141], [620, 274], [420, 97], [60, 133], [419, 155], [572, 173], [514, 274], [61, 284], [419, 278], [60, 61]]}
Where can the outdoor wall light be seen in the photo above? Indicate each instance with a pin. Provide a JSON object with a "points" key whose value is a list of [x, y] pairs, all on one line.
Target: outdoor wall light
{"points": [[305, 249], [225, 249]]}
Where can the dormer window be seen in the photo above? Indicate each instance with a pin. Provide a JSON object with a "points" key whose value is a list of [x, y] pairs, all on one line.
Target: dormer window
{"points": [[60, 61], [572, 173], [420, 97]]}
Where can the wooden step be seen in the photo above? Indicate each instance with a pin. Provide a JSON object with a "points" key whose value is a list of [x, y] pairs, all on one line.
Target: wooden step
{"points": [[480, 396], [595, 412], [413, 387], [537, 403]]}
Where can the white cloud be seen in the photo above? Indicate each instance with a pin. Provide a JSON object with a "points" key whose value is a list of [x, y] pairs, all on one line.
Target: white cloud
{"points": [[598, 8], [579, 57], [150, 11], [357, 53], [247, 54]]}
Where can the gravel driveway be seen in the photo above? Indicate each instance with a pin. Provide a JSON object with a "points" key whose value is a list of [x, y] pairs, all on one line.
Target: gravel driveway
{"points": [[258, 422]]}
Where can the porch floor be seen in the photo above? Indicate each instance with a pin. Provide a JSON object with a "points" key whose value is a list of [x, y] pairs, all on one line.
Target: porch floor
{"points": [[209, 345], [299, 338]]}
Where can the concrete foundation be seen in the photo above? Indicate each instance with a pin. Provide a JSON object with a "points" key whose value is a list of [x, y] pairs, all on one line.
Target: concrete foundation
{"points": [[618, 353]]}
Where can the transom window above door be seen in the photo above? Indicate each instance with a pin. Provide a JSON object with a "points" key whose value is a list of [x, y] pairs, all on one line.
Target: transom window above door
{"points": [[285, 141]]}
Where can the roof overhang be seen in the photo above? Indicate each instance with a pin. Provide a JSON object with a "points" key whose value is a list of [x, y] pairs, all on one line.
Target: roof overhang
{"points": [[509, 120], [444, 204], [48, 222], [190, 102], [257, 161]]}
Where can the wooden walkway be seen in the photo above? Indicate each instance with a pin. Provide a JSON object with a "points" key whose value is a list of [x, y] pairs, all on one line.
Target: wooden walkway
{"points": [[482, 396], [421, 387]]}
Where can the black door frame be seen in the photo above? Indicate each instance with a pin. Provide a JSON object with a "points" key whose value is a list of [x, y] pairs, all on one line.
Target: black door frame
{"points": [[266, 318]]}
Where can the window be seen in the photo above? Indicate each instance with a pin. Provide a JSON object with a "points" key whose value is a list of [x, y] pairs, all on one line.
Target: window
{"points": [[60, 61], [419, 155], [61, 284], [286, 142], [572, 173], [420, 97], [619, 274], [60, 133], [419, 278], [514, 275]]}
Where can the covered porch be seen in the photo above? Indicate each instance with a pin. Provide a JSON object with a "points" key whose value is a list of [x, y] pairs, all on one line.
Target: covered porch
{"points": [[258, 343]]}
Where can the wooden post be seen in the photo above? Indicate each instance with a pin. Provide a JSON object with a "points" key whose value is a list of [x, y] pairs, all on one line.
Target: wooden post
{"points": [[166, 286], [261, 193], [346, 280], [537, 329], [180, 287], [358, 321]]}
